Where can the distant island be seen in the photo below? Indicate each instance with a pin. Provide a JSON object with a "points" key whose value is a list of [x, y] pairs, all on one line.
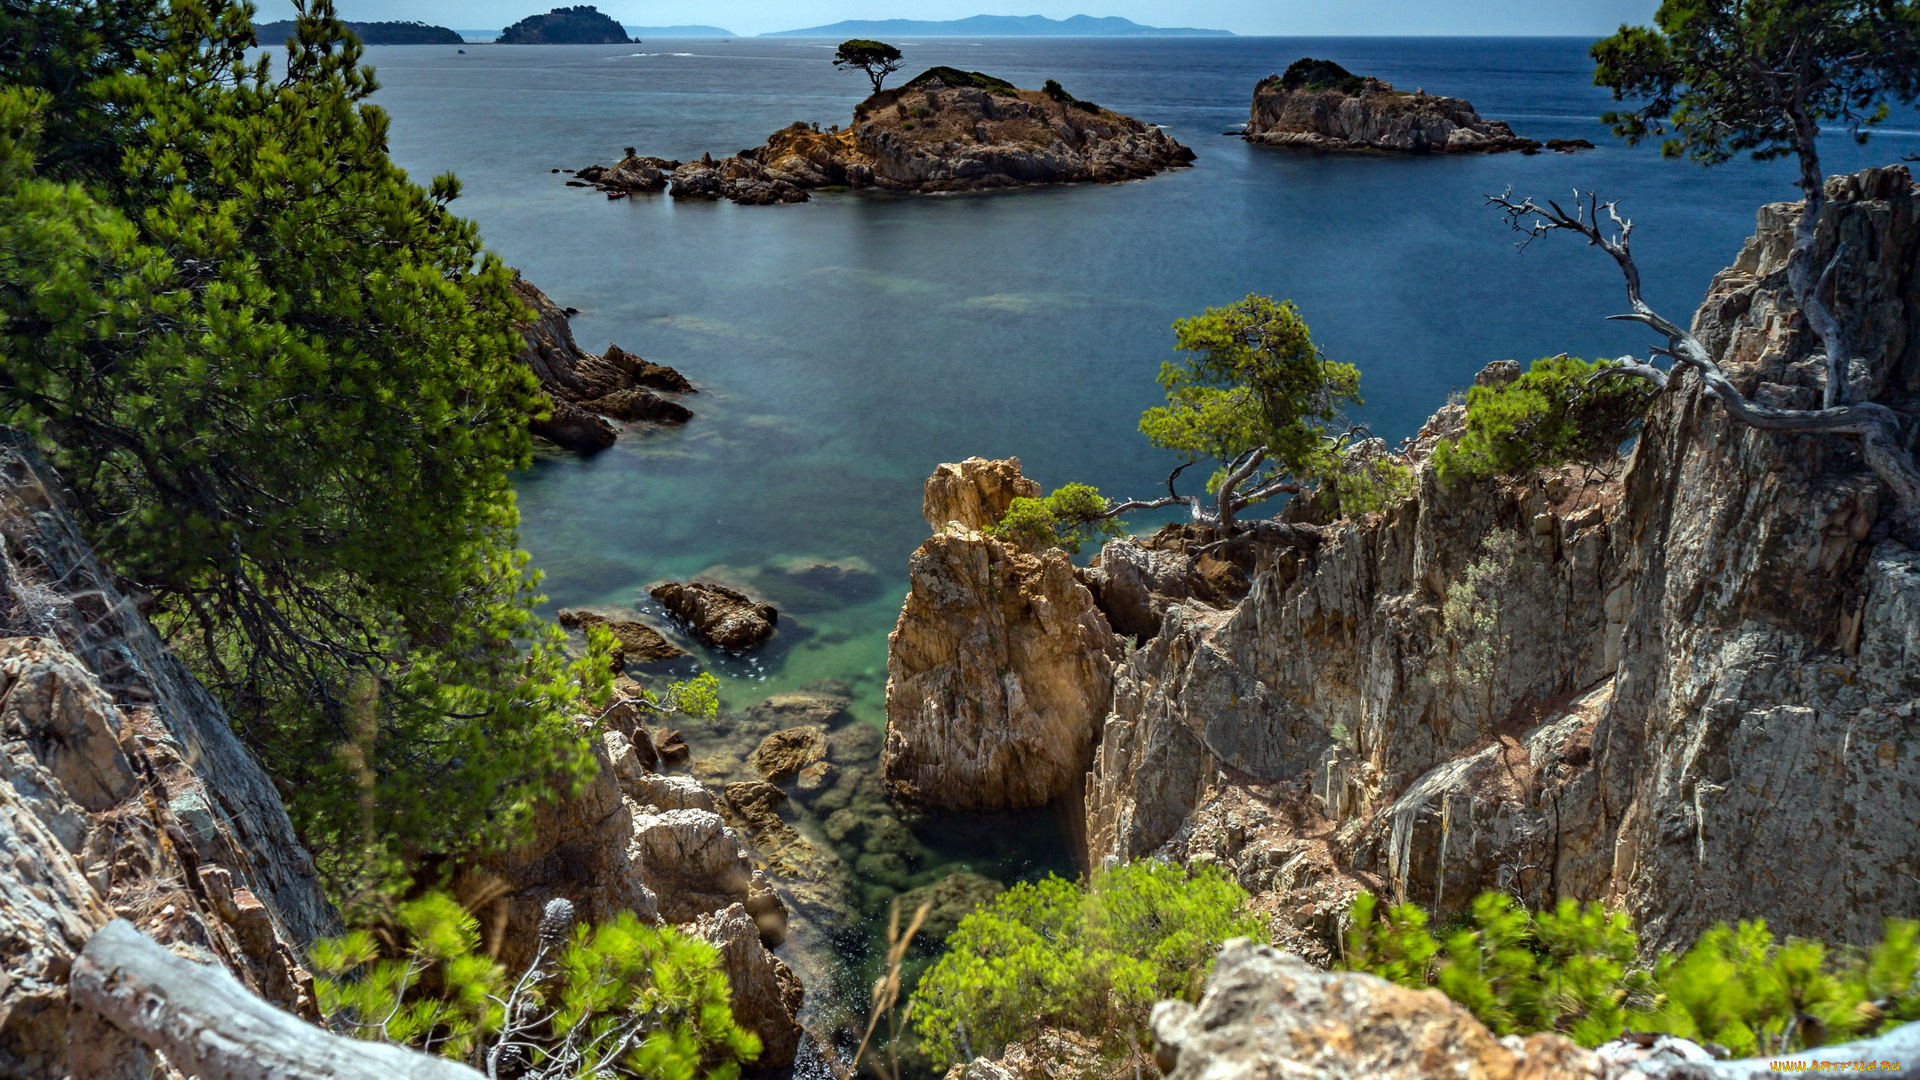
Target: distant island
{"points": [[639, 32], [999, 26], [369, 33], [582, 24]]}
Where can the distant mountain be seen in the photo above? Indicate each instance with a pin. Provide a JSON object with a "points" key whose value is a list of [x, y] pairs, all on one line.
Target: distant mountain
{"points": [[582, 24], [369, 33], [999, 26], [640, 32]]}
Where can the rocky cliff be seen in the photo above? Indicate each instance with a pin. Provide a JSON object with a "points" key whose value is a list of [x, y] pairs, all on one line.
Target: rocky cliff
{"points": [[122, 794], [1320, 105], [1704, 677], [946, 130]]}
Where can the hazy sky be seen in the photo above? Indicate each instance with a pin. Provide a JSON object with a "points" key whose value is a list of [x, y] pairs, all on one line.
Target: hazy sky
{"points": [[1582, 17]]}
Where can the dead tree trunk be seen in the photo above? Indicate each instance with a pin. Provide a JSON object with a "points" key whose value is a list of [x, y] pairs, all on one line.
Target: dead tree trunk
{"points": [[211, 1027]]}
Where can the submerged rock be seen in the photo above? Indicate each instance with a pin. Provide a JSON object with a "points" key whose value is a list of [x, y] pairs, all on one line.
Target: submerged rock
{"points": [[721, 617], [1320, 105], [945, 130], [948, 900], [783, 754]]}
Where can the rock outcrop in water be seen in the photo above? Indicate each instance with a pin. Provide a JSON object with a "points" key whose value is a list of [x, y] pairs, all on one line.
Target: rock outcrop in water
{"points": [[946, 130], [1000, 667], [724, 618], [1706, 663], [582, 24], [585, 389], [1319, 105], [123, 793]]}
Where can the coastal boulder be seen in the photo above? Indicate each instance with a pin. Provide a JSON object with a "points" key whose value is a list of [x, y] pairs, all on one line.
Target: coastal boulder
{"points": [[782, 755], [717, 615], [637, 642], [999, 669]]}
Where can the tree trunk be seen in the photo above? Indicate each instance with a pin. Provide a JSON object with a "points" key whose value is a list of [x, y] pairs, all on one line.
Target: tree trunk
{"points": [[211, 1027]]}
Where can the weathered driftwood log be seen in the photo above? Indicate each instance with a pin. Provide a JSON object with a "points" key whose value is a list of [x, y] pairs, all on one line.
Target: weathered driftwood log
{"points": [[209, 1026]]}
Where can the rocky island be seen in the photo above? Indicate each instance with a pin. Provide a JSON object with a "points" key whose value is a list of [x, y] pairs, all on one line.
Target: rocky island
{"points": [[946, 130], [582, 24], [369, 33], [1319, 105]]}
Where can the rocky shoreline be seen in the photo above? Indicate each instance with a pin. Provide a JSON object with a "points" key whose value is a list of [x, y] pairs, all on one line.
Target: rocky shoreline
{"points": [[586, 391], [1672, 639], [1319, 105], [945, 131]]}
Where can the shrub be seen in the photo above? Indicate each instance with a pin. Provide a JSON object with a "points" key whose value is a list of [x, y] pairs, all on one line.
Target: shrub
{"points": [[622, 998], [1315, 75], [1574, 970], [1555, 413], [1066, 519], [1092, 959]]}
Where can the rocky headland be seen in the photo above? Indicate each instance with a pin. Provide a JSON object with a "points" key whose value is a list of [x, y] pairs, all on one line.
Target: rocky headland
{"points": [[946, 130], [1319, 105], [1708, 660], [587, 392]]}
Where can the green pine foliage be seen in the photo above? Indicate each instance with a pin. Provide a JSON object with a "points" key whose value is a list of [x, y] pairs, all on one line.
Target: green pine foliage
{"points": [[620, 999], [280, 379], [1066, 518], [1575, 970], [1251, 376], [1557, 412], [1089, 958]]}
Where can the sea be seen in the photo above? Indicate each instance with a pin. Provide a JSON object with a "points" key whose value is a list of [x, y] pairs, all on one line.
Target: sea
{"points": [[846, 346]]}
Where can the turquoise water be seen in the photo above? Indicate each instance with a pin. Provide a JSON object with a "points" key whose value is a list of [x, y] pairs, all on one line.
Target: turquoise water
{"points": [[848, 345]]}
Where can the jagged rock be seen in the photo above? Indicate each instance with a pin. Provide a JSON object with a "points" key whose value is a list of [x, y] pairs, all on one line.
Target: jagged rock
{"points": [[1321, 106], [635, 404], [717, 615], [1674, 647], [123, 792], [573, 428], [1000, 667], [646, 373], [638, 642], [581, 386], [974, 493], [783, 754], [945, 130], [1266, 1013], [766, 996]]}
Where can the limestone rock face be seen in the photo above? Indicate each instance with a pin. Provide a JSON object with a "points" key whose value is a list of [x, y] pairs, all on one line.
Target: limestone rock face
{"points": [[998, 671], [975, 493], [723, 618], [1371, 115], [1673, 648], [946, 130], [766, 995], [123, 792], [1266, 1013]]}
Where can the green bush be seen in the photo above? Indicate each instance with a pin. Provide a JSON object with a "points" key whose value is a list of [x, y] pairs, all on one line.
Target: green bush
{"points": [[1066, 518], [281, 381], [1555, 413], [1574, 970], [1092, 959], [620, 999]]}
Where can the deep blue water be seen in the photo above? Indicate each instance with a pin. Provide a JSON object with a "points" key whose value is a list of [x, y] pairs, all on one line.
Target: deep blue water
{"points": [[849, 344]]}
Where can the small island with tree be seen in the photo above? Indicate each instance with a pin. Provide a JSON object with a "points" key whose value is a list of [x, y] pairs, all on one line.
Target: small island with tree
{"points": [[945, 130], [369, 33], [582, 24], [1319, 105]]}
